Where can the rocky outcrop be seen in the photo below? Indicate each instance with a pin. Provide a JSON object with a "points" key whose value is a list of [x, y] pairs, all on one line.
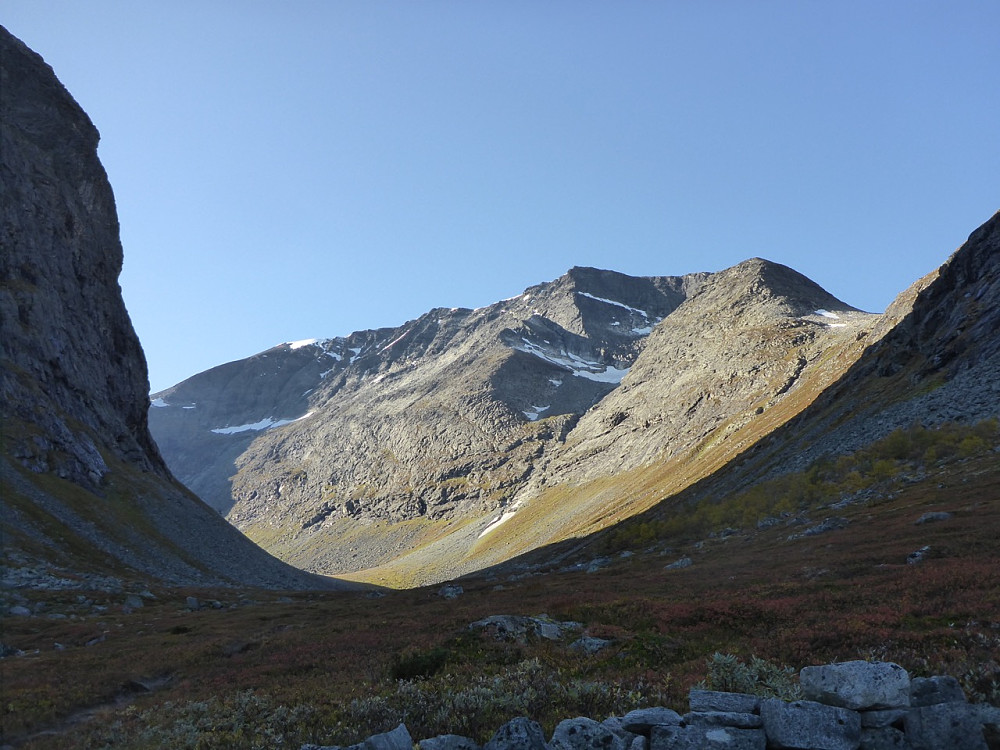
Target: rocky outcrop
{"points": [[887, 711], [83, 485]]}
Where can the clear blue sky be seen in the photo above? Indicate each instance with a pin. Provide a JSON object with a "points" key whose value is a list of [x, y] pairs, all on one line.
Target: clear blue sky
{"points": [[306, 169]]}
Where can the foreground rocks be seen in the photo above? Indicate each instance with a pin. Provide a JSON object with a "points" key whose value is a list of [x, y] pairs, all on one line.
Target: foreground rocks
{"points": [[851, 706]]}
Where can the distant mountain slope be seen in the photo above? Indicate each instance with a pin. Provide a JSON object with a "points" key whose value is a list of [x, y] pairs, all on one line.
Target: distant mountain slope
{"points": [[467, 436], [400, 433], [82, 485], [936, 358]]}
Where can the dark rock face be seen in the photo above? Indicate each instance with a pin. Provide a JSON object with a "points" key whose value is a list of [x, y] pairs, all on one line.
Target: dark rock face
{"points": [[83, 485], [60, 265]]}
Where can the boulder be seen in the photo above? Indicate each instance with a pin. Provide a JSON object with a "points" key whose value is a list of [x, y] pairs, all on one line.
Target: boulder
{"points": [[715, 700], [518, 734], [585, 734], [929, 691], [724, 719], [883, 738], [955, 726], [701, 737], [807, 724], [857, 685], [642, 720], [448, 742], [398, 739]]}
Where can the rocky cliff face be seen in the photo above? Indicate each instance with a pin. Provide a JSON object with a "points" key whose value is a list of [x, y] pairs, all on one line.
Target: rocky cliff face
{"points": [[83, 483]]}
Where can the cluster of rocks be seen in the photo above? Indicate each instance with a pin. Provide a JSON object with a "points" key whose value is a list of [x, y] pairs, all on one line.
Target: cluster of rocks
{"points": [[851, 706], [521, 629]]}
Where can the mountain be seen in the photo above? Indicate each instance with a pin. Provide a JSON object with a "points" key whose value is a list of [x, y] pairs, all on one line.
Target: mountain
{"points": [[84, 487], [465, 437]]}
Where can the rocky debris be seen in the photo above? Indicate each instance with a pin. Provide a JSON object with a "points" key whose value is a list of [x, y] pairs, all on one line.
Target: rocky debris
{"points": [[827, 524], [933, 516], [520, 628], [590, 645], [684, 562], [890, 712], [451, 591], [918, 555]]}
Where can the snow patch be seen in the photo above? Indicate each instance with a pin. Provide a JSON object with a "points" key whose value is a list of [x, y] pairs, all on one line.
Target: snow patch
{"points": [[643, 313], [300, 344], [827, 314], [504, 517], [556, 381], [535, 412], [645, 331], [266, 423], [188, 407], [577, 365], [159, 403]]}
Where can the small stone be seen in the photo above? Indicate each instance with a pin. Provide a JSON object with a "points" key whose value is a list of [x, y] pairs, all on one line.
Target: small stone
{"points": [[192, 603], [132, 601], [19, 611], [684, 562], [451, 591], [933, 516], [590, 645]]}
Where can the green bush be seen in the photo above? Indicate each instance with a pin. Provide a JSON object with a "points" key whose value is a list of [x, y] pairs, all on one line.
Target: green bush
{"points": [[728, 673]]}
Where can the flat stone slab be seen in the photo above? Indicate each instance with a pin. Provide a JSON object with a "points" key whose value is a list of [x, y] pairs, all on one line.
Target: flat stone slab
{"points": [[857, 685], [643, 720], [706, 738], [716, 700]]}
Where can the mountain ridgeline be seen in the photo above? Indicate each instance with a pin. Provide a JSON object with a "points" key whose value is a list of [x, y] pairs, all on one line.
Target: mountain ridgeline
{"points": [[465, 437]]}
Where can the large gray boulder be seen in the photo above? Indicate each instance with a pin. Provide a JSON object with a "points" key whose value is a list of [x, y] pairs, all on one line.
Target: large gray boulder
{"points": [[807, 724], [929, 691], [585, 734], [857, 685], [955, 726]]}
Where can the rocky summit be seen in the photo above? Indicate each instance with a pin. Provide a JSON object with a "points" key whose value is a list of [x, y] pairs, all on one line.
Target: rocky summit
{"points": [[84, 489]]}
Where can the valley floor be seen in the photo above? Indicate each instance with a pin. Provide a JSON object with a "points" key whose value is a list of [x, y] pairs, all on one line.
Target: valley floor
{"points": [[253, 668]]}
